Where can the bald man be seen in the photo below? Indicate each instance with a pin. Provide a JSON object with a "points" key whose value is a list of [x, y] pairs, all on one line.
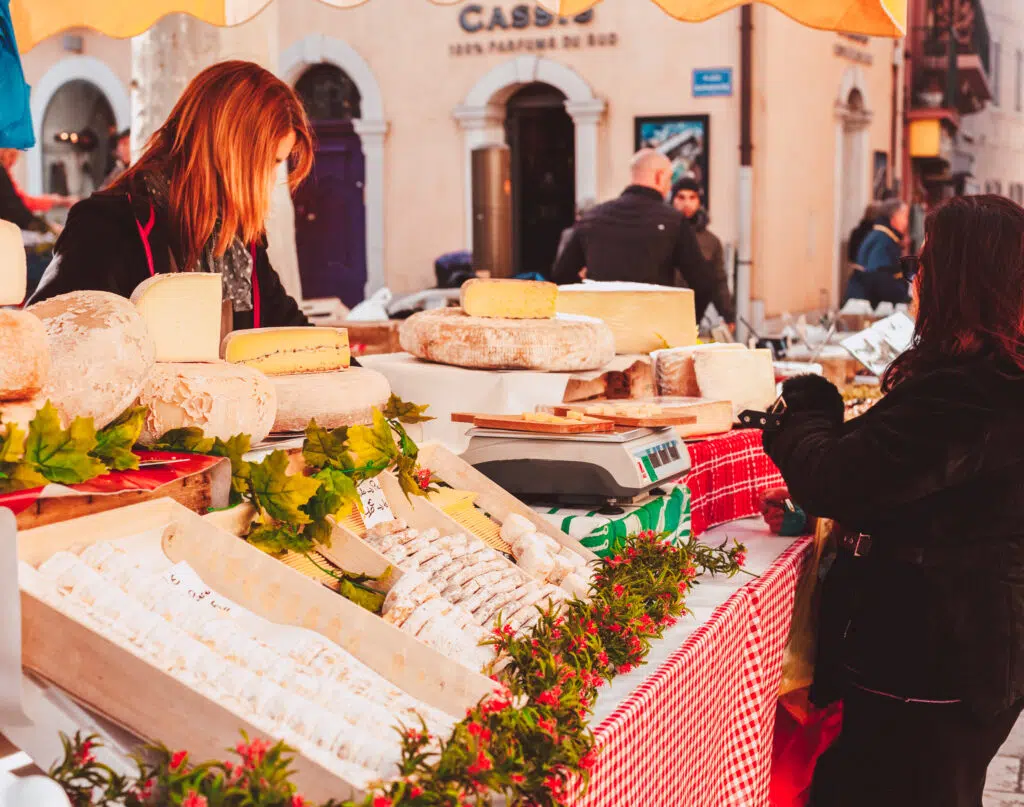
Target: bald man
{"points": [[638, 237]]}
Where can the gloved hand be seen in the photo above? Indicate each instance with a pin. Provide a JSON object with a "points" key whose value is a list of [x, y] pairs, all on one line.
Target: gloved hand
{"points": [[811, 393], [782, 515]]}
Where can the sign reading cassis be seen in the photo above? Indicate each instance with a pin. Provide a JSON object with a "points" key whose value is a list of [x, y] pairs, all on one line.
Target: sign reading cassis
{"points": [[475, 17]]}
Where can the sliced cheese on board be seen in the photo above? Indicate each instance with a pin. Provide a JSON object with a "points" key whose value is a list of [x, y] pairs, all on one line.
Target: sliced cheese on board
{"points": [[509, 299], [745, 377], [342, 398], [220, 398], [100, 354], [24, 355], [563, 344], [673, 368], [713, 417], [13, 264], [284, 351], [182, 311], [643, 317]]}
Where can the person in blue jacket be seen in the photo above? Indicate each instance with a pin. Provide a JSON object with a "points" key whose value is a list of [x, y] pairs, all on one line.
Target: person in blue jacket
{"points": [[878, 276]]}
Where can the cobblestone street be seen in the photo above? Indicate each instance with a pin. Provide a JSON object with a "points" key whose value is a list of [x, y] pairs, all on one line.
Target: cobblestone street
{"points": [[1006, 774]]}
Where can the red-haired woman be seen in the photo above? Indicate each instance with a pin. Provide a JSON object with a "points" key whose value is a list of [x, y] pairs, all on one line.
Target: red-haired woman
{"points": [[922, 620], [197, 199]]}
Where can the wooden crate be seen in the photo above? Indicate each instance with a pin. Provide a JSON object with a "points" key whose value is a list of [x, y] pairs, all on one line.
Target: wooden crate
{"points": [[154, 705]]}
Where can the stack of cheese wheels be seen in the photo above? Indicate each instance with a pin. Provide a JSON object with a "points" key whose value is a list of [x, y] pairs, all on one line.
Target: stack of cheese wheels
{"points": [[24, 352], [508, 325], [309, 369], [189, 385]]}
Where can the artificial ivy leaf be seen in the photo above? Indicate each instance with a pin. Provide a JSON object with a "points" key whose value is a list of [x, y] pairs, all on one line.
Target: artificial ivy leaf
{"points": [[62, 455], [190, 440], [323, 448], [279, 493], [337, 491], [235, 449], [114, 442], [12, 446], [397, 409], [405, 443], [19, 476], [372, 601], [373, 447], [408, 477], [319, 532], [274, 538]]}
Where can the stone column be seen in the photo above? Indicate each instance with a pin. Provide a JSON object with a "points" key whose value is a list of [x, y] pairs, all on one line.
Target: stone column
{"points": [[371, 135], [481, 126], [586, 115]]}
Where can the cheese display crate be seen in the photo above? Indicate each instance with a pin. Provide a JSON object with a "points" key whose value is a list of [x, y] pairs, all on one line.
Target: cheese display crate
{"points": [[154, 705]]}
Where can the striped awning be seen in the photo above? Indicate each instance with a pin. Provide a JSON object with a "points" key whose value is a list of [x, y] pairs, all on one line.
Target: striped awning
{"points": [[36, 20]]}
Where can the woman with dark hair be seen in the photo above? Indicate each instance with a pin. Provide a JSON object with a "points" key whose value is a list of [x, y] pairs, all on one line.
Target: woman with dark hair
{"points": [[922, 613]]}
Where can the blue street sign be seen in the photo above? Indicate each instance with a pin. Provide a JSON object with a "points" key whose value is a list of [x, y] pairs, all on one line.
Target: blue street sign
{"points": [[710, 83]]}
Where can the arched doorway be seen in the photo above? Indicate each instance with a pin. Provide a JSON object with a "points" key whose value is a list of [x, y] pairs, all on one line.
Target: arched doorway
{"points": [[541, 137], [75, 139], [330, 215]]}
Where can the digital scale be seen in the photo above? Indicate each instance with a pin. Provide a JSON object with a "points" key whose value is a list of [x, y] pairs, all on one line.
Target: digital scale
{"points": [[579, 469]]}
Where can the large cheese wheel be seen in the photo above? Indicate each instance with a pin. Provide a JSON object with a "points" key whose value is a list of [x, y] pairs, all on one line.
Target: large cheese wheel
{"points": [[220, 398], [565, 344], [673, 368], [342, 398], [13, 267], [24, 355], [100, 353]]}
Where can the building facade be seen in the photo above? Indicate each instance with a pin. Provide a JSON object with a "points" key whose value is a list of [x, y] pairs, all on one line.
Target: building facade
{"points": [[401, 92]]}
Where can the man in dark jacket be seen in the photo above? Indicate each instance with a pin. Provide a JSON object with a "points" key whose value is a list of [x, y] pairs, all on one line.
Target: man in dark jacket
{"points": [[638, 238], [877, 275], [688, 199]]}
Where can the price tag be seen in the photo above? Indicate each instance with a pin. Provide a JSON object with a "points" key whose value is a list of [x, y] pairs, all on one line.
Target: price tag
{"points": [[376, 509]]}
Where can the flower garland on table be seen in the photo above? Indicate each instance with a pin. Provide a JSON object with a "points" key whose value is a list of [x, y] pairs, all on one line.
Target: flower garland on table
{"points": [[529, 740]]}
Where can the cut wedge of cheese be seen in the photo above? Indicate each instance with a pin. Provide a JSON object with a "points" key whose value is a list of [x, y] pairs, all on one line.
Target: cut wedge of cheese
{"points": [[564, 344], [643, 318], [286, 351], [342, 398], [182, 311], [220, 398], [509, 299], [673, 368], [24, 355], [744, 377], [13, 267], [100, 354]]}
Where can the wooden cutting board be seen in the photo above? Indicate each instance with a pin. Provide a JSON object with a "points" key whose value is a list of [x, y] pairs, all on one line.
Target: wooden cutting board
{"points": [[668, 418], [518, 424]]}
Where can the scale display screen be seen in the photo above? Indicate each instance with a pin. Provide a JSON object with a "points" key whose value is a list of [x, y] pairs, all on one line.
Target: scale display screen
{"points": [[656, 462]]}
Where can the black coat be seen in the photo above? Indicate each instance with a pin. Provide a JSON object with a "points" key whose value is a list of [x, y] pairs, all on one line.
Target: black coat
{"points": [[934, 473], [13, 209], [101, 249], [637, 238]]}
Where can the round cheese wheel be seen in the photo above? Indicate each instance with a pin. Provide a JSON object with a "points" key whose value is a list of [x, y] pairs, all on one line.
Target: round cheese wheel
{"points": [[24, 355], [220, 398], [100, 352], [343, 398], [565, 344]]}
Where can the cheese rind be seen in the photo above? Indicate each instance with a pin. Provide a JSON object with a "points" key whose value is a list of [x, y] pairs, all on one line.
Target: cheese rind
{"points": [[24, 355], [643, 317], [100, 354], [13, 264], [182, 311], [220, 398], [286, 351], [509, 299], [673, 368], [564, 344], [342, 398], [745, 377]]}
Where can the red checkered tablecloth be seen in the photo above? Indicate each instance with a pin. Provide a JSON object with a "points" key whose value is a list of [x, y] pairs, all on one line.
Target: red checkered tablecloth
{"points": [[727, 475], [698, 732]]}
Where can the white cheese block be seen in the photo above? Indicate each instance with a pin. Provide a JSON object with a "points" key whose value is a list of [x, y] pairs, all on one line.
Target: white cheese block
{"points": [[565, 344], [100, 354], [673, 368], [24, 355], [643, 317], [182, 311], [220, 398], [13, 267], [745, 377], [342, 398]]}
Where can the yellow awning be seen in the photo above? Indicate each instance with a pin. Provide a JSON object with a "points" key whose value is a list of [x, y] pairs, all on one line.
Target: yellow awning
{"points": [[36, 20]]}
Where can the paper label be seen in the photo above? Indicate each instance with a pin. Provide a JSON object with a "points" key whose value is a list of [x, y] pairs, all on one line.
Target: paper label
{"points": [[376, 509]]}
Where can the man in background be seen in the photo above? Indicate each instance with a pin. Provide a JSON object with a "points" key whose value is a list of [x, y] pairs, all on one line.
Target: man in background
{"points": [[688, 199], [638, 238], [122, 157], [878, 275]]}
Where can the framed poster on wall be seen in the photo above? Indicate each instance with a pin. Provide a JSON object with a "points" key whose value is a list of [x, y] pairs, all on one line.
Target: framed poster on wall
{"points": [[684, 139]]}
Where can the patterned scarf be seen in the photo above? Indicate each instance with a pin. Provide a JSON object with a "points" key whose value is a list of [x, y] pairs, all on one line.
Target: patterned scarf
{"points": [[234, 266]]}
